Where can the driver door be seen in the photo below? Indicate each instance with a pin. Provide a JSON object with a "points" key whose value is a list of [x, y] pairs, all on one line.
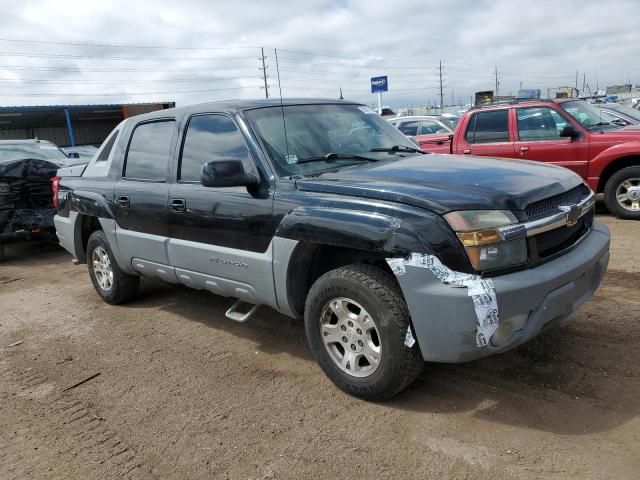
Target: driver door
{"points": [[219, 236], [538, 138]]}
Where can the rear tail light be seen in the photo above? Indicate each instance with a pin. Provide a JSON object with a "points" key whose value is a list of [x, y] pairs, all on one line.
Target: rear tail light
{"points": [[55, 186]]}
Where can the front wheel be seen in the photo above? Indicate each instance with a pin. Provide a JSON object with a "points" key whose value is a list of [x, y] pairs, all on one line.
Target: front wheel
{"points": [[111, 283], [622, 193], [356, 322]]}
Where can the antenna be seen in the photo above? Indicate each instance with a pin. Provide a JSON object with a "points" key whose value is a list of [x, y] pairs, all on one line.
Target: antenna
{"points": [[284, 122]]}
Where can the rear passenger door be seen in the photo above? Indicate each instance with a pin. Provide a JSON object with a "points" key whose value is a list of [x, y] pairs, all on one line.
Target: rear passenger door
{"points": [[220, 236], [487, 134], [142, 190]]}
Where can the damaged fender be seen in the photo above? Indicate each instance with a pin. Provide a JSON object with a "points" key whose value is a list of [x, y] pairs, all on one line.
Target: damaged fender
{"points": [[353, 229], [449, 310]]}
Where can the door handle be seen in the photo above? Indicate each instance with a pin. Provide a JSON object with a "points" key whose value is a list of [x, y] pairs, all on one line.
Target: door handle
{"points": [[524, 149], [123, 201], [466, 152], [178, 205]]}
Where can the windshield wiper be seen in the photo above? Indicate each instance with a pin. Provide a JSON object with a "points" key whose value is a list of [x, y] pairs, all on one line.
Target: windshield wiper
{"points": [[397, 148], [336, 156]]}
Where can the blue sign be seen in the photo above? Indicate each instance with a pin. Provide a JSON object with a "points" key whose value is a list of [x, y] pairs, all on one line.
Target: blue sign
{"points": [[379, 84]]}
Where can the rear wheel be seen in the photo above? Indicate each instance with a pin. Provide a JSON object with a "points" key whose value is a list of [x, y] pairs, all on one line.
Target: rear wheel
{"points": [[356, 322], [112, 284], [622, 193]]}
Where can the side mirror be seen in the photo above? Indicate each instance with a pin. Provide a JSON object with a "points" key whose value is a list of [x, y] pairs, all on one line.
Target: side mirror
{"points": [[570, 131], [73, 155], [226, 173]]}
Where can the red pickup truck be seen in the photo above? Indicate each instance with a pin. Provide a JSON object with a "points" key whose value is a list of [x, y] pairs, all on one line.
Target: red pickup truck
{"points": [[566, 132]]}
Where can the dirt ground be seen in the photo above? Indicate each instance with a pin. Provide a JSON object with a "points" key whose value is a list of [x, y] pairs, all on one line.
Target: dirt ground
{"points": [[183, 393]]}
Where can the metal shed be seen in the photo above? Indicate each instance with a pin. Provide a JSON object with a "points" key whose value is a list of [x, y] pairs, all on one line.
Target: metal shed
{"points": [[69, 125]]}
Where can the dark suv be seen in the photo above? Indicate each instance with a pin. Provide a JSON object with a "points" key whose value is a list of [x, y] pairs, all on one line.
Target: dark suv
{"points": [[322, 210]]}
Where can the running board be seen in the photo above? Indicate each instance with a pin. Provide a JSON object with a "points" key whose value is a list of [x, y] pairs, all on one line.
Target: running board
{"points": [[236, 315]]}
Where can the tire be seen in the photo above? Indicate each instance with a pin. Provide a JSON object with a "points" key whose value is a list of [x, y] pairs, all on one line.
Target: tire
{"points": [[350, 290], [618, 185], [119, 286]]}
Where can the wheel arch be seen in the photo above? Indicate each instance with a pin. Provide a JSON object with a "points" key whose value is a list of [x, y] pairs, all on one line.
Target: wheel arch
{"points": [[309, 261], [85, 226], [615, 165]]}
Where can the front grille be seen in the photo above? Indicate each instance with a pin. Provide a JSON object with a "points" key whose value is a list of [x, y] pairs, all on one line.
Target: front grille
{"points": [[556, 240], [549, 206]]}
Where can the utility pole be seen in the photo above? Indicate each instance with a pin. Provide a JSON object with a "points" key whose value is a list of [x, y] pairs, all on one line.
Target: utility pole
{"points": [[264, 74], [576, 81], [497, 82], [584, 82], [441, 92]]}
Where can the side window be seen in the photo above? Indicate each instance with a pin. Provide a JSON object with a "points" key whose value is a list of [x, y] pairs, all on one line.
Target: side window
{"points": [[103, 156], [149, 151], [539, 124], [210, 137], [429, 126], [488, 127], [409, 128]]}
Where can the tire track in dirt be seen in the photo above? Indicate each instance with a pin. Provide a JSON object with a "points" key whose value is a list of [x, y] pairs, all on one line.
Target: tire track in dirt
{"points": [[76, 433]]}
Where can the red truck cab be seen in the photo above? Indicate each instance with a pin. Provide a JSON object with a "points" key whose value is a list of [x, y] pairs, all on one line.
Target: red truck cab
{"points": [[567, 132]]}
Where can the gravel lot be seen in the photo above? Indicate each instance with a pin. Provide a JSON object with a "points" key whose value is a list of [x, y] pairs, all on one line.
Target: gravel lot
{"points": [[184, 393]]}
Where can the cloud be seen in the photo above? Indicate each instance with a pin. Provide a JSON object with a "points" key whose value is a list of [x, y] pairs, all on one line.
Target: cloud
{"points": [[211, 49]]}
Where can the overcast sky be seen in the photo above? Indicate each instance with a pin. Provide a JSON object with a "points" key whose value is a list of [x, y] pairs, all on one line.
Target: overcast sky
{"points": [[210, 49]]}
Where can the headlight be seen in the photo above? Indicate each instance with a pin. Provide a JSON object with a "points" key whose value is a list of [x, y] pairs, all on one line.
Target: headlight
{"points": [[479, 232]]}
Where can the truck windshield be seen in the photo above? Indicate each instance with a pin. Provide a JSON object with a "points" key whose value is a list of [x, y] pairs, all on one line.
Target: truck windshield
{"points": [[35, 151], [588, 115], [323, 137]]}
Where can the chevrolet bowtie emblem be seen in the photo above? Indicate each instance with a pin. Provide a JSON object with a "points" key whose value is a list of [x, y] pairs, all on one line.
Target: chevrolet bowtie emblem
{"points": [[574, 212]]}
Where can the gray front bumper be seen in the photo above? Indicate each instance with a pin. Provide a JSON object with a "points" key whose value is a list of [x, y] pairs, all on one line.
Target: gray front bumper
{"points": [[444, 319]]}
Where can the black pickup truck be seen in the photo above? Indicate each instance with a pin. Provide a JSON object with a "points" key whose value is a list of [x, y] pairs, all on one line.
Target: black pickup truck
{"points": [[322, 210]]}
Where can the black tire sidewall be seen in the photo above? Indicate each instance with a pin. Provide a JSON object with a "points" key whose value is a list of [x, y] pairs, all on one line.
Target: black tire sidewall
{"points": [[610, 192], [391, 337], [98, 239]]}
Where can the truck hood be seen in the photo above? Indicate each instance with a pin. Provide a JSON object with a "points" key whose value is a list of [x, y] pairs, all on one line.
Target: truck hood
{"points": [[630, 133], [444, 183]]}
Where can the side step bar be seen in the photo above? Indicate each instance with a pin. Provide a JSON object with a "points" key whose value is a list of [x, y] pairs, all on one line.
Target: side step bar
{"points": [[235, 313]]}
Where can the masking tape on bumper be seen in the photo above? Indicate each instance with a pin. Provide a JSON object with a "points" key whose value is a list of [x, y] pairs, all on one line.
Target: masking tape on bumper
{"points": [[482, 291]]}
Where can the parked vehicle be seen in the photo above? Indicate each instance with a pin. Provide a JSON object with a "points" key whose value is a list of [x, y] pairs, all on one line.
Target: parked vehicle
{"points": [[84, 152], [567, 132], [420, 125], [392, 257], [621, 114], [386, 112], [27, 168]]}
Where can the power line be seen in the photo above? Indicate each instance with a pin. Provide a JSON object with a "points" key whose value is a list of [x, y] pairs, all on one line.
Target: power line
{"points": [[107, 45], [101, 57], [80, 70], [127, 93]]}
